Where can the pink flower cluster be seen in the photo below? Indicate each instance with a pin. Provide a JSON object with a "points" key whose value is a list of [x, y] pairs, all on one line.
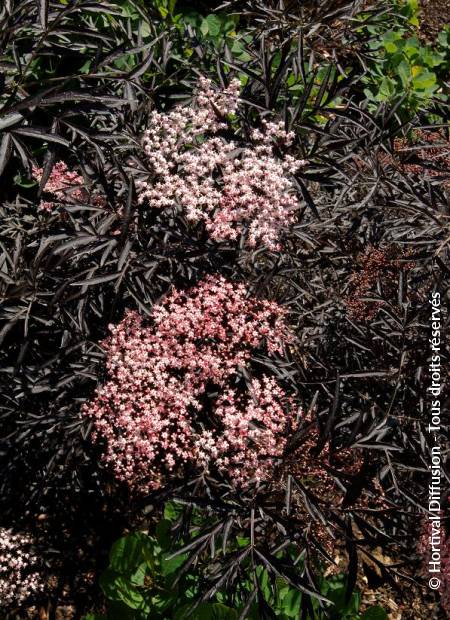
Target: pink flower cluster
{"points": [[61, 182], [213, 179], [154, 412], [18, 576]]}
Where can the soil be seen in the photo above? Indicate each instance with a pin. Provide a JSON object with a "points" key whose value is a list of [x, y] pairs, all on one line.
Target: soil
{"points": [[434, 15]]}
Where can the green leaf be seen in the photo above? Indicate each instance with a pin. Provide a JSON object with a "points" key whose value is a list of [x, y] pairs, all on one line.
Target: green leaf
{"points": [[242, 541], [404, 72], [425, 80], [94, 617], [172, 511], [369, 94], [168, 567], [390, 47], [118, 588], [214, 23], [375, 613], [206, 611], [24, 182], [413, 12], [204, 28], [387, 89], [117, 610], [444, 37], [392, 41], [128, 553], [214, 611], [138, 577], [128, 10], [290, 604], [238, 50], [163, 533], [413, 52], [230, 22], [192, 18], [264, 584], [164, 600]]}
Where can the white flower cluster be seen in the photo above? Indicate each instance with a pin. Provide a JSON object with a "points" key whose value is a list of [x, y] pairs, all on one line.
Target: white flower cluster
{"points": [[18, 576]]}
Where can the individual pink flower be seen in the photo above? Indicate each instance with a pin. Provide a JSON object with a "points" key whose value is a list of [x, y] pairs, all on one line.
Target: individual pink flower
{"points": [[157, 413]]}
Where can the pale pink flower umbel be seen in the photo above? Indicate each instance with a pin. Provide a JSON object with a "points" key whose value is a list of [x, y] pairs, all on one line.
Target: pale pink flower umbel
{"points": [[19, 579], [153, 413], [231, 189]]}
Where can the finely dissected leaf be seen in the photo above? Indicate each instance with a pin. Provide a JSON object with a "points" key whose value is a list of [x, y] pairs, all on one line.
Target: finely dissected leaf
{"points": [[35, 132], [43, 12], [9, 120]]}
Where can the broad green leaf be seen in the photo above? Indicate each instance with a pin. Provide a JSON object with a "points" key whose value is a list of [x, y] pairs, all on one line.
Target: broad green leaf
{"points": [[145, 29], [424, 81], [369, 94], [404, 72], [390, 47], [128, 10], [117, 610], [130, 551], [444, 37], [395, 60], [138, 577], [375, 613], [392, 35], [413, 12], [391, 41], [412, 48], [264, 583], [214, 24], [163, 533], [118, 588], [214, 611], [238, 50], [204, 28], [242, 541], [172, 511], [168, 567], [164, 600], [387, 88], [290, 605], [193, 18]]}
